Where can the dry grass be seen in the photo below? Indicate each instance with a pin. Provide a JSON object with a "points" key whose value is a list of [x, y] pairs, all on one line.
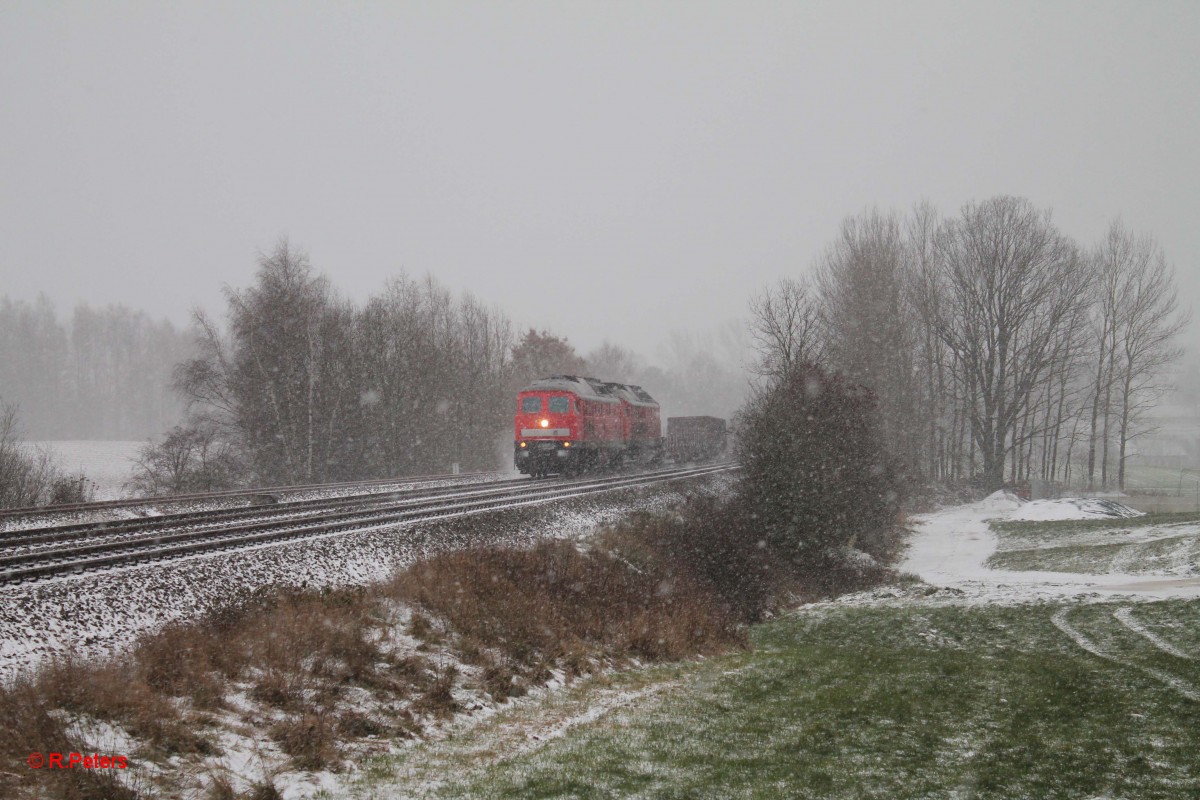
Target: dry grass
{"points": [[293, 652], [28, 725], [656, 589], [310, 739], [438, 697]]}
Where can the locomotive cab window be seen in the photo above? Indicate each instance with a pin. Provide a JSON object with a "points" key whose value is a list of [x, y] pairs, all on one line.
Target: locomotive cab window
{"points": [[531, 405], [560, 405]]}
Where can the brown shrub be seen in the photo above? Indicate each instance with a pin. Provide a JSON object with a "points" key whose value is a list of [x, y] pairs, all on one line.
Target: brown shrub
{"points": [[28, 726], [832, 574], [309, 739], [710, 545], [283, 690], [355, 724], [438, 697], [220, 788], [179, 661], [113, 691], [502, 682], [551, 600], [266, 790]]}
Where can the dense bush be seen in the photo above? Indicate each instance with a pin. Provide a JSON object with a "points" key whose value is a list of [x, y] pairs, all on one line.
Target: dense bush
{"points": [[31, 477], [815, 472], [713, 545], [192, 457]]}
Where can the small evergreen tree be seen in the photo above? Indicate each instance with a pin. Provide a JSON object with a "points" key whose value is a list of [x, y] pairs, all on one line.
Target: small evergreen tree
{"points": [[815, 471]]}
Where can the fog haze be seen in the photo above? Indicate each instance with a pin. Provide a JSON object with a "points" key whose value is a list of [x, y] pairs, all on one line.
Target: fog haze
{"points": [[607, 171]]}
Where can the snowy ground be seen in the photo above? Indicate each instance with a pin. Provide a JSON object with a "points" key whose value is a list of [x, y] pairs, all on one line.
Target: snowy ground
{"points": [[949, 549], [98, 614], [95, 614]]}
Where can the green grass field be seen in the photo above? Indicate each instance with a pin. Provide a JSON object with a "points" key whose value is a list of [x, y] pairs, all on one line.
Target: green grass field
{"points": [[1161, 544], [1045, 701]]}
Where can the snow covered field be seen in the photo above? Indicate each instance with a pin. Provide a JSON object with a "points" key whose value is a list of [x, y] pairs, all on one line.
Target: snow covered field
{"points": [[950, 549], [107, 464], [978, 681]]}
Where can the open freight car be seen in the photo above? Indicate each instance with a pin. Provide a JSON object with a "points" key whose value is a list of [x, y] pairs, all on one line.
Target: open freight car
{"points": [[695, 438]]}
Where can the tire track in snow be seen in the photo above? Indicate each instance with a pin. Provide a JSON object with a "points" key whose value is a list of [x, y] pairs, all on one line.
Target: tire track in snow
{"points": [[1125, 617], [1060, 621]]}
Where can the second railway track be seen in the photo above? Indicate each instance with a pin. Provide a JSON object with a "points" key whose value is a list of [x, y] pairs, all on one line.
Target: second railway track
{"points": [[47, 552]]}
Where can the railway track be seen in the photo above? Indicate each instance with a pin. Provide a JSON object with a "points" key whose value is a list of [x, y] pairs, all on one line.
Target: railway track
{"points": [[17, 516], [44, 552]]}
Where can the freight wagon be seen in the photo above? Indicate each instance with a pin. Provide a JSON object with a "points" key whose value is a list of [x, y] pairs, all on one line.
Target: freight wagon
{"points": [[695, 438]]}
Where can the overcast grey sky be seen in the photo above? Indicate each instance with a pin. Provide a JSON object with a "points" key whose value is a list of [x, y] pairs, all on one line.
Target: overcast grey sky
{"points": [[603, 169]]}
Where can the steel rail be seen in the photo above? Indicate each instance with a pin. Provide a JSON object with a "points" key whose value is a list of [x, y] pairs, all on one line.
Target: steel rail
{"points": [[43, 564], [99, 505], [514, 488], [61, 533]]}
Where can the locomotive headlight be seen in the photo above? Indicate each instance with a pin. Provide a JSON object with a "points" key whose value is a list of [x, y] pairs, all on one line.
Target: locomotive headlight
{"points": [[566, 444], [545, 423], [522, 444]]}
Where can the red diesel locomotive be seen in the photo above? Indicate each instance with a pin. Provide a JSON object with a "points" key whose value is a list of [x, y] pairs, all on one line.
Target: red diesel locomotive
{"points": [[566, 423]]}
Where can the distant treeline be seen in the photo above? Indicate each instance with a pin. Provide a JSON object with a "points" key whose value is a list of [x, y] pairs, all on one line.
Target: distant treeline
{"points": [[103, 374]]}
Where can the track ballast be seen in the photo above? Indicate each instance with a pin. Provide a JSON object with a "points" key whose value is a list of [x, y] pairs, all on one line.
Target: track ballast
{"points": [[43, 552]]}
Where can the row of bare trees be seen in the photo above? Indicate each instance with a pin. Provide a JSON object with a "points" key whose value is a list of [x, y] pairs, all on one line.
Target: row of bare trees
{"points": [[307, 387], [101, 373], [299, 385], [1000, 350]]}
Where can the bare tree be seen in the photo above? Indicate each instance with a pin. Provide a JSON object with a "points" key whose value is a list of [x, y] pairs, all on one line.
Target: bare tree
{"points": [[869, 338], [785, 329], [1109, 263], [280, 380], [940, 406], [1135, 322], [995, 348], [191, 457], [31, 476], [613, 363], [702, 372], [1009, 282], [1145, 336]]}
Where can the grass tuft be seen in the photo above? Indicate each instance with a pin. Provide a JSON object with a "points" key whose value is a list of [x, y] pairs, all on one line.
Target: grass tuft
{"points": [[310, 739]]}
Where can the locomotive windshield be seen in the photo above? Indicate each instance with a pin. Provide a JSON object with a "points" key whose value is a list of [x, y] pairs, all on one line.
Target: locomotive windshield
{"points": [[560, 405], [531, 405]]}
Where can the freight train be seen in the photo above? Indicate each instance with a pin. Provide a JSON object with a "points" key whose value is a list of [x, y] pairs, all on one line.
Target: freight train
{"points": [[569, 424]]}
